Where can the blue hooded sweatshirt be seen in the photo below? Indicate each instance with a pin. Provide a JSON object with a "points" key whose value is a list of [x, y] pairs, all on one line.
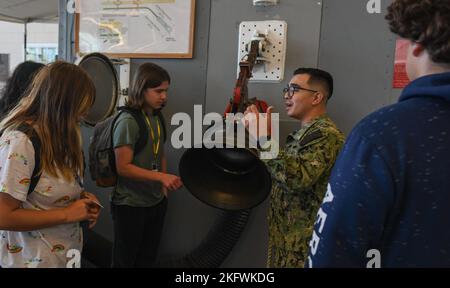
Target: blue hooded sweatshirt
{"points": [[388, 201]]}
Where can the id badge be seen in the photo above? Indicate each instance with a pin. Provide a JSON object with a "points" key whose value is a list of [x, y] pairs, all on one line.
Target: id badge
{"points": [[155, 167]]}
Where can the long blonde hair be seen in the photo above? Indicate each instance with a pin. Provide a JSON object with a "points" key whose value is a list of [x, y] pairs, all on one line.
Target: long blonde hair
{"points": [[60, 94]]}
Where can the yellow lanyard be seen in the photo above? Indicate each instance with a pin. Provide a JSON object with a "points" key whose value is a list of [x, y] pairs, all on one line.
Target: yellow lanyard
{"points": [[152, 134]]}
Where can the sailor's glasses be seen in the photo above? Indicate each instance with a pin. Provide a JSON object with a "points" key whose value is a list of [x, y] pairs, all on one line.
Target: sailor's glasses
{"points": [[291, 89]]}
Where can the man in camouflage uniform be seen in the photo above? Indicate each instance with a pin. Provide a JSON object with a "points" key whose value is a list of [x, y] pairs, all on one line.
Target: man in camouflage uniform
{"points": [[301, 170]]}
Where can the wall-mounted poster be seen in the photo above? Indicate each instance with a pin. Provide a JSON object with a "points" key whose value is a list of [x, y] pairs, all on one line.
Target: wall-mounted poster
{"points": [[136, 28], [401, 79]]}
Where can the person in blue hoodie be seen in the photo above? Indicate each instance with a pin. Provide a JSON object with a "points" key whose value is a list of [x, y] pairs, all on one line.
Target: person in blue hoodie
{"points": [[388, 199]]}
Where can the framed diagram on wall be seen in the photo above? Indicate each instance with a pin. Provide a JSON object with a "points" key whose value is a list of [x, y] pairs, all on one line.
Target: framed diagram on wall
{"points": [[135, 28]]}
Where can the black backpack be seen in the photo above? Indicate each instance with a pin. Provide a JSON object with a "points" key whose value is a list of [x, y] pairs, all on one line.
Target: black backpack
{"points": [[32, 135], [102, 162]]}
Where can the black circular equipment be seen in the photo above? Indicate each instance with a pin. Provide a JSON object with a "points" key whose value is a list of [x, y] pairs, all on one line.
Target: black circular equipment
{"points": [[229, 179], [104, 76]]}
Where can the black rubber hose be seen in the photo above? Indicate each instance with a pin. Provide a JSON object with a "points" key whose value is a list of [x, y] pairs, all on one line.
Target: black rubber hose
{"points": [[217, 245], [211, 253]]}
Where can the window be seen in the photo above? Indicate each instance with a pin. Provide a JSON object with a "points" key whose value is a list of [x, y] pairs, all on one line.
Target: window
{"points": [[42, 42], [42, 53]]}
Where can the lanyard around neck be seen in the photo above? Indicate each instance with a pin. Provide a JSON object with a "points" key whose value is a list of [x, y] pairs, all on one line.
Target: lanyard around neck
{"points": [[152, 134]]}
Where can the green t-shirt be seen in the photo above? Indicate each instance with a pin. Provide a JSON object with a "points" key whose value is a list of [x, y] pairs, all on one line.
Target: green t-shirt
{"points": [[132, 192]]}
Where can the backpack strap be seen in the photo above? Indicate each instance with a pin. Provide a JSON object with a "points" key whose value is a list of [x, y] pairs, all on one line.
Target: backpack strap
{"points": [[143, 133], [34, 138]]}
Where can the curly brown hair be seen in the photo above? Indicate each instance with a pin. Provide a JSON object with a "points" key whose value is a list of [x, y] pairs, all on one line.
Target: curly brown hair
{"points": [[423, 21]]}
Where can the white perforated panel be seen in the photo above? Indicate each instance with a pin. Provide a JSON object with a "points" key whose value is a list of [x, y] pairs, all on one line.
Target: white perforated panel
{"points": [[275, 52]]}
